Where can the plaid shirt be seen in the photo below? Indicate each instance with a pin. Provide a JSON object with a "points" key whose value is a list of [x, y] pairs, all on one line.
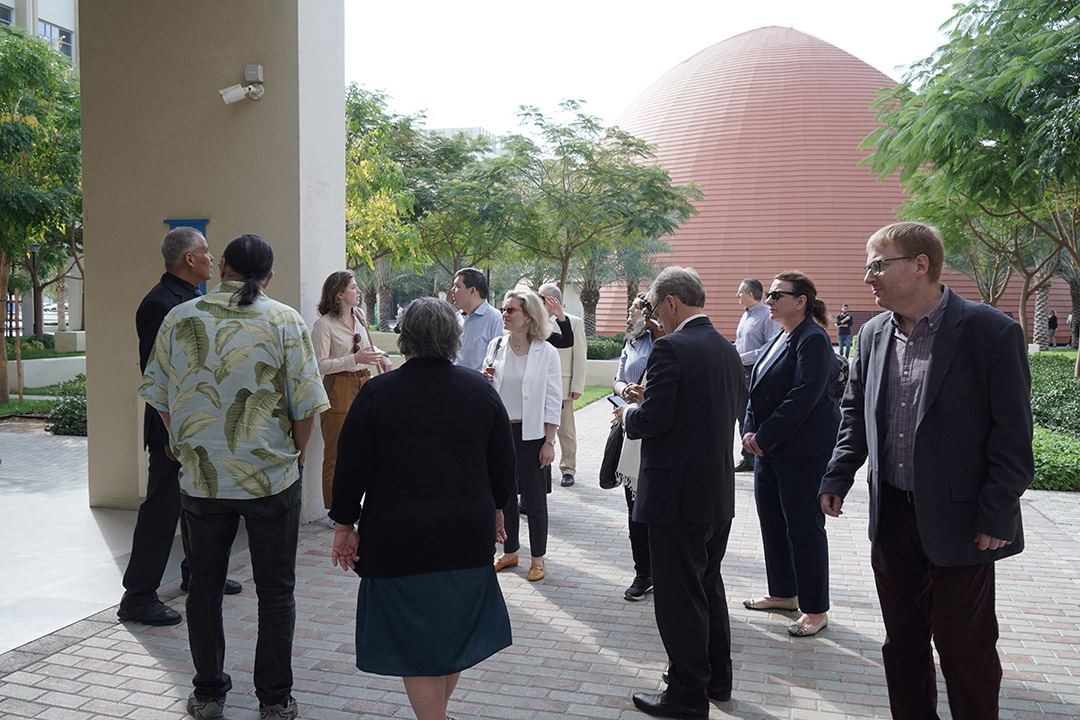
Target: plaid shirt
{"points": [[905, 368]]}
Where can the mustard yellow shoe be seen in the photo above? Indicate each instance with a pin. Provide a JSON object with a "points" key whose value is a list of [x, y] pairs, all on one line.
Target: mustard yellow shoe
{"points": [[536, 572], [505, 561]]}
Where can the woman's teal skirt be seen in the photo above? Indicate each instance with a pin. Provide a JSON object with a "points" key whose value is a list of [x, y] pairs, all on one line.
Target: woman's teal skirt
{"points": [[431, 624]]}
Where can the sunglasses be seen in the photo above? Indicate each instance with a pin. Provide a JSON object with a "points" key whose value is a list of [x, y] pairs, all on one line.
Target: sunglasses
{"points": [[775, 295], [356, 343], [875, 268], [646, 309], [509, 310]]}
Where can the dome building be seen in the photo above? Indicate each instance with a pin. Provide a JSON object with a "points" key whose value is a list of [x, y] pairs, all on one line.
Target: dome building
{"points": [[768, 124]]}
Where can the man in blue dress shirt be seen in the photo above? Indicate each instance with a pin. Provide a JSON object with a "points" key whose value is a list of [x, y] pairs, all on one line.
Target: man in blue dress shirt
{"points": [[480, 322], [751, 340]]}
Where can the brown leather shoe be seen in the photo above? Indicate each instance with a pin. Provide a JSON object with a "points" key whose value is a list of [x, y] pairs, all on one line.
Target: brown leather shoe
{"points": [[536, 572], [504, 561]]}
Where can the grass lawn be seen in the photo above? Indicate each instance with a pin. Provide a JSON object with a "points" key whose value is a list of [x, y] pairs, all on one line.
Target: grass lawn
{"points": [[591, 395], [44, 390], [39, 353], [36, 407]]}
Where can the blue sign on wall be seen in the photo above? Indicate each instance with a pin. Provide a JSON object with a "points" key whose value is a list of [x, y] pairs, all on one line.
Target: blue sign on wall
{"points": [[197, 223]]}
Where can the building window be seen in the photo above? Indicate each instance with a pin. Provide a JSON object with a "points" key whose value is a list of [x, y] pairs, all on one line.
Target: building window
{"points": [[6, 15], [58, 36]]}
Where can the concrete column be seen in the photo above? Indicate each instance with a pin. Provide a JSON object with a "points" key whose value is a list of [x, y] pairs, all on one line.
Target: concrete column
{"points": [[158, 143]]}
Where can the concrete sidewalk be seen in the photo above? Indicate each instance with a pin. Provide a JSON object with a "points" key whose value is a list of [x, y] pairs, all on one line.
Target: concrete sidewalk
{"points": [[580, 649]]}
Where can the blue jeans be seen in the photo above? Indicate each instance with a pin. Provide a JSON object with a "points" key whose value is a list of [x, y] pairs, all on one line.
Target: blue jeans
{"points": [[273, 525], [845, 344]]}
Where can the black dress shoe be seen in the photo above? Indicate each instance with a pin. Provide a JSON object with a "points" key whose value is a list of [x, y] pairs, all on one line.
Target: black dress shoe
{"points": [[231, 587], [567, 480], [745, 466], [152, 613], [715, 692], [661, 706]]}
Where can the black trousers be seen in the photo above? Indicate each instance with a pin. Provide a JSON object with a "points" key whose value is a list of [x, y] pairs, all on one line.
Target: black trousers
{"points": [[691, 607], [639, 539], [155, 528], [533, 483]]}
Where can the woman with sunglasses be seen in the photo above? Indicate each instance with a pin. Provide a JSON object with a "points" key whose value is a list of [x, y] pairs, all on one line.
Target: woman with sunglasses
{"points": [[344, 351], [526, 372], [790, 427]]}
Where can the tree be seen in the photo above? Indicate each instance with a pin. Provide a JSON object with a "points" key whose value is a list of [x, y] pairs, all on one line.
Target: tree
{"points": [[995, 116], [586, 186], [40, 161], [379, 204], [596, 268], [634, 264]]}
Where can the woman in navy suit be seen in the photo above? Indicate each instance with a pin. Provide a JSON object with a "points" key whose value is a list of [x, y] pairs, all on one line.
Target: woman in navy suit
{"points": [[791, 424]]}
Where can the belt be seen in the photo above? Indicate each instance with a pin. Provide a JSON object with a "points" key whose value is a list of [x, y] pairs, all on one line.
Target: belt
{"points": [[353, 373], [907, 495]]}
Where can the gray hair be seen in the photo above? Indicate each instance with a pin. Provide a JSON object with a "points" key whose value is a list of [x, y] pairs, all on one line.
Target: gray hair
{"points": [[683, 283], [429, 329], [551, 289], [753, 286], [539, 324], [177, 243]]}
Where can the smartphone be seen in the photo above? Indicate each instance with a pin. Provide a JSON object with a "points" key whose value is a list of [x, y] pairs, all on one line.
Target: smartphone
{"points": [[616, 400]]}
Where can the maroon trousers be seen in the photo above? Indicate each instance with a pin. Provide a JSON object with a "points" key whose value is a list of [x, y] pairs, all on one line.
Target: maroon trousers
{"points": [[920, 602]]}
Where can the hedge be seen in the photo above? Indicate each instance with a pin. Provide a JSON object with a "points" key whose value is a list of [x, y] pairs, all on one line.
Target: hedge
{"points": [[1055, 393], [1057, 461], [604, 348]]}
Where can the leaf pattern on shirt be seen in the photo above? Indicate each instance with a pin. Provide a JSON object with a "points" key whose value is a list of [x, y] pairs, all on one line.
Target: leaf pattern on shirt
{"points": [[199, 471], [224, 334], [230, 361], [190, 334], [193, 423], [247, 415], [247, 476], [227, 312]]}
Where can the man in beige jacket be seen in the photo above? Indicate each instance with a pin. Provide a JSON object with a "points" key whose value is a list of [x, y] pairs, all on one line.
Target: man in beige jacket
{"points": [[573, 377]]}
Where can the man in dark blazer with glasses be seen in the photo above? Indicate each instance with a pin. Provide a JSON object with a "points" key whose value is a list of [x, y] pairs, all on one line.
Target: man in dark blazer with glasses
{"points": [[939, 401], [686, 492]]}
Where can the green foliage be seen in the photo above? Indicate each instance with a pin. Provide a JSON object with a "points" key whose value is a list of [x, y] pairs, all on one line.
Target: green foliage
{"points": [[591, 394], [1055, 393], [1057, 461], [67, 414], [604, 348]]}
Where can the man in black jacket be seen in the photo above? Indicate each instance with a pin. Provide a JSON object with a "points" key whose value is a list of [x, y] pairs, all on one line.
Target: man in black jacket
{"points": [[686, 492], [188, 262]]}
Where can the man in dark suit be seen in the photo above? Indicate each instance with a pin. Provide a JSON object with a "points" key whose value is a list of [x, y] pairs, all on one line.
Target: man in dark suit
{"points": [[188, 263], [939, 399], [686, 492]]}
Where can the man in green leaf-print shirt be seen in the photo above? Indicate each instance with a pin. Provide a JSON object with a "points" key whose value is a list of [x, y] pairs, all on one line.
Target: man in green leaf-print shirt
{"points": [[234, 377]]}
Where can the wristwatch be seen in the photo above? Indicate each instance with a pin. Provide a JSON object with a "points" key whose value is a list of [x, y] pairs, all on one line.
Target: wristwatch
{"points": [[552, 441]]}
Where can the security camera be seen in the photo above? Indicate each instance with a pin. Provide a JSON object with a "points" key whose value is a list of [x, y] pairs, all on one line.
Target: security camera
{"points": [[236, 93]]}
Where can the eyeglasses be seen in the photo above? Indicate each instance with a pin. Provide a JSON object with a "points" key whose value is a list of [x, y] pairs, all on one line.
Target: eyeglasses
{"points": [[646, 309], [775, 295], [876, 268], [509, 310], [356, 343]]}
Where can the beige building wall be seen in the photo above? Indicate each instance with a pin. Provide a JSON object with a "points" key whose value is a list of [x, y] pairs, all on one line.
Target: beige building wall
{"points": [[159, 143]]}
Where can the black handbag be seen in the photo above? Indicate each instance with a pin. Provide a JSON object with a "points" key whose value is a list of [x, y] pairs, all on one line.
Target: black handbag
{"points": [[610, 463]]}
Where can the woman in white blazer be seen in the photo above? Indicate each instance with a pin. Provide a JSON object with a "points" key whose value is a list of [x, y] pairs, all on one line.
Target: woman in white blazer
{"points": [[528, 377]]}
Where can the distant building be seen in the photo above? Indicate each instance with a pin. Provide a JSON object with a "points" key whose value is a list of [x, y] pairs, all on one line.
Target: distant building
{"points": [[55, 20], [473, 133], [768, 124]]}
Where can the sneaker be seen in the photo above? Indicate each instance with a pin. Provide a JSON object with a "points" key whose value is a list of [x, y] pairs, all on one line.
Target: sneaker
{"points": [[212, 709], [639, 588], [288, 711]]}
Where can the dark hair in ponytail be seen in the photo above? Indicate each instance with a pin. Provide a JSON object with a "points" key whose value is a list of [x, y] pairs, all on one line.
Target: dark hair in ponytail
{"points": [[251, 257], [802, 285]]}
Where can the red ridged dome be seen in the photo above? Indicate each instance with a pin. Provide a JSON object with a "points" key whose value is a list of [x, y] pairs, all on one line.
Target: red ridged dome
{"points": [[768, 124]]}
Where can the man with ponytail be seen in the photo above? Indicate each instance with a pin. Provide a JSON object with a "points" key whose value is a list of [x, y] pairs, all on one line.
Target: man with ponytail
{"points": [[234, 377]]}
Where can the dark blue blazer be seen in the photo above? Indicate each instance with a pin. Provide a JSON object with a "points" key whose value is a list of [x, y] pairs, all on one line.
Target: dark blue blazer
{"points": [[685, 423], [973, 457], [789, 408]]}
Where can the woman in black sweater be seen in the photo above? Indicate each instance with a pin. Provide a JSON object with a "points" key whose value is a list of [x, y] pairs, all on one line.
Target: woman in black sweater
{"points": [[425, 458]]}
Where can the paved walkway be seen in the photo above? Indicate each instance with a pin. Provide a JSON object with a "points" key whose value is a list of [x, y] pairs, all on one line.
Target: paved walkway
{"points": [[579, 650]]}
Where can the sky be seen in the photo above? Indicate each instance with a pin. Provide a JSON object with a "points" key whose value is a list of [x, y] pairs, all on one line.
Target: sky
{"points": [[473, 63]]}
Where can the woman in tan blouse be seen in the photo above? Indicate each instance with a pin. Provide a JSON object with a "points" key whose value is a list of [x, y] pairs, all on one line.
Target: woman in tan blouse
{"points": [[344, 350]]}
